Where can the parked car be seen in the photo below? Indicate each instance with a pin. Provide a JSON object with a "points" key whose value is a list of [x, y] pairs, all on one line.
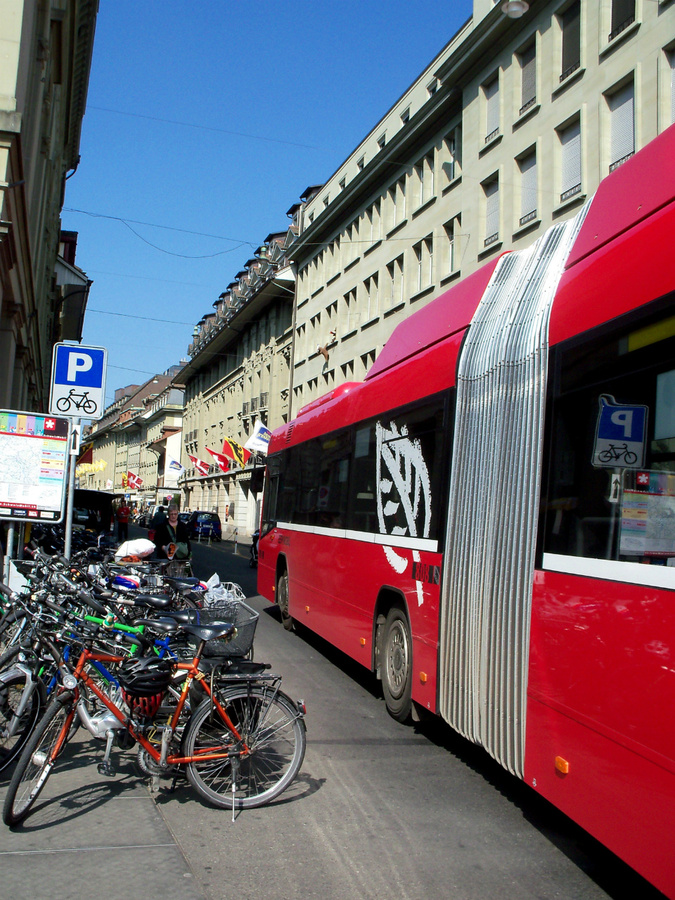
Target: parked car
{"points": [[184, 517], [205, 524]]}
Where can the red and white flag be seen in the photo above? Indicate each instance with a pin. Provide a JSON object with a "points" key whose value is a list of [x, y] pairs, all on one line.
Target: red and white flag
{"points": [[133, 481], [223, 461], [199, 464]]}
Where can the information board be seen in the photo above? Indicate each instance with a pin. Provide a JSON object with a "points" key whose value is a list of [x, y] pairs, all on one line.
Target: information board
{"points": [[33, 466]]}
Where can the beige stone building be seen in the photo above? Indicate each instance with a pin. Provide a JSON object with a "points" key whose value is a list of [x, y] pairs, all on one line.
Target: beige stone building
{"points": [[45, 59], [239, 372], [507, 131], [141, 433]]}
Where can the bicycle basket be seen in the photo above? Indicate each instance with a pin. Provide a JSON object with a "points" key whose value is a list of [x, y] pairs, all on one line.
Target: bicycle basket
{"points": [[239, 614]]}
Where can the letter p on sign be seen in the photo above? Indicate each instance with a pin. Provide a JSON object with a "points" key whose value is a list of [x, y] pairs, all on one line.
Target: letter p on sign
{"points": [[78, 362]]}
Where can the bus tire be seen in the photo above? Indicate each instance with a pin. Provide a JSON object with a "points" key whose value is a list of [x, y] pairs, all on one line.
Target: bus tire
{"points": [[282, 601], [396, 665]]}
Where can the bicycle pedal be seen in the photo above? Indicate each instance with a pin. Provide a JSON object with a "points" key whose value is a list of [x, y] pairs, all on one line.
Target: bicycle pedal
{"points": [[106, 768]]}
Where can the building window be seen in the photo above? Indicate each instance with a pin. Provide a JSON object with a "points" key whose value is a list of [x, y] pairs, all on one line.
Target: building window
{"points": [[423, 253], [374, 218], [623, 15], [424, 179], [396, 203], [491, 94], [452, 154], [348, 322], [491, 193], [381, 141], [570, 153], [360, 164], [393, 287], [528, 187], [405, 116], [326, 201], [449, 260], [371, 297], [570, 22], [343, 184], [432, 87], [622, 125], [528, 78]]}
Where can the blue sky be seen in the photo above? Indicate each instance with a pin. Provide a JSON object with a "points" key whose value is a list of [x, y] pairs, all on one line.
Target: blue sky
{"points": [[204, 125]]}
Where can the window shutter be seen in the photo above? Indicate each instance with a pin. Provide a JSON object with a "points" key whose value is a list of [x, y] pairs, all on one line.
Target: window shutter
{"points": [[492, 107], [622, 11], [491, 209], [529, 70], [622, 119], [570, 140], [528, 185], [571, 39]]}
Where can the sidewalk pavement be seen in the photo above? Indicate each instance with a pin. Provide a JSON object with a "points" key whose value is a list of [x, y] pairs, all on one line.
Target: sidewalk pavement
{"points": [[89, 835]]}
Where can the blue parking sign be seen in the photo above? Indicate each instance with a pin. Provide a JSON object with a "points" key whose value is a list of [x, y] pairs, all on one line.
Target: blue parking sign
{"points": [[78, 381], [620, 434]]}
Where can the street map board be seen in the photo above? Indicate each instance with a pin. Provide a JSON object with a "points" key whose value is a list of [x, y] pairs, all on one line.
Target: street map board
{"points": [[33, 466]]}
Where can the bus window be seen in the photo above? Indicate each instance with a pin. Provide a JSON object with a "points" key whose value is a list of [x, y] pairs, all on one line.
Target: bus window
{"points": [[398, 472], [611, 445]]}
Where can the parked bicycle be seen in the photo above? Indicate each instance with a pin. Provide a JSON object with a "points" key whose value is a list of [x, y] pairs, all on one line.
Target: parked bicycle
{"points": [[237, 736]]}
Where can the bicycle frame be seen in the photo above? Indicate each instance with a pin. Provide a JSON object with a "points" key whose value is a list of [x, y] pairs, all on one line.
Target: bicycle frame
{"points": [[193, 673]]}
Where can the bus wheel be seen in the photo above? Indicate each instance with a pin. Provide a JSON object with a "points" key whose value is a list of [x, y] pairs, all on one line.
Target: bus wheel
{"points": [[282, 601], [396, 665]]}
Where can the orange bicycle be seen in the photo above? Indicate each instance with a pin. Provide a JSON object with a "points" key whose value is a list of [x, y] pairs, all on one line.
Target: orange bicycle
{"points": [[241, 745]]}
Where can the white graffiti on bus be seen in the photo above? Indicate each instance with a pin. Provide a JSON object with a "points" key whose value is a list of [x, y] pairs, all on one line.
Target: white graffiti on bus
{"points": [[402, 472]]}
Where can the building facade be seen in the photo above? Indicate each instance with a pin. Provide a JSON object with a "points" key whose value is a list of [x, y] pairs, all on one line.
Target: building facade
{"points": [[239, 373], [45, 60], [507, 131], [140, 433]]}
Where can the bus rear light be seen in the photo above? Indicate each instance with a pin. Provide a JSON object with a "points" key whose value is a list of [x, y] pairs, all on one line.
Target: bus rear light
{"points": [[562, 765], [362, 641], [307, 609], [423, 677]]}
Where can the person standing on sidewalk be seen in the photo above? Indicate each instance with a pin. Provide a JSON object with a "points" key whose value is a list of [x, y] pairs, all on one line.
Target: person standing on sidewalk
{"points": [[172, 533], [123, 513]]}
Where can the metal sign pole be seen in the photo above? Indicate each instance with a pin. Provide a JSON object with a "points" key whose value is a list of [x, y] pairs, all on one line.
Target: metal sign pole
{"points": [[74, 450]]}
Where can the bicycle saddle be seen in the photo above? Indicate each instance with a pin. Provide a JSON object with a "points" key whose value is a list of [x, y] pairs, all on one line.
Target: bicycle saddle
{"points": [[155, 601]]}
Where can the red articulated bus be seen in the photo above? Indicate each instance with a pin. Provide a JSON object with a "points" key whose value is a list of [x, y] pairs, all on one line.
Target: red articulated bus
{"points": [[488, 520]]}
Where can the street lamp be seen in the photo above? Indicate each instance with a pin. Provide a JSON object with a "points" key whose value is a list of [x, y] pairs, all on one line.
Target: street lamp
{"points": [[514, 9]]}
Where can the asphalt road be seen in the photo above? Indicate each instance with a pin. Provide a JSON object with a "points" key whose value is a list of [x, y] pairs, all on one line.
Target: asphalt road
{"points": [[381, 809]]}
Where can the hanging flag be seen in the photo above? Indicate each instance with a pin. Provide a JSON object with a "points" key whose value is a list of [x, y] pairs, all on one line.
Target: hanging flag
{"points": [[175, 466], [109, 484], [86, 456], [199, 464], [223, 461], [259, 441], [236, 452], [133, 481]]}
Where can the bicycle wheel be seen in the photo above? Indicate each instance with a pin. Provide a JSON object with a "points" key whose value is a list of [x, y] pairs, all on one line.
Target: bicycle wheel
{"points": [[274, 733], [63, 404], [35, 764], [15, 730]]}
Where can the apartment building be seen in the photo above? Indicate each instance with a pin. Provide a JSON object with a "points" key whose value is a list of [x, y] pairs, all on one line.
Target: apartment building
{"points": [[45, 60], [140, 432], [238, 373], [507, 131]]}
